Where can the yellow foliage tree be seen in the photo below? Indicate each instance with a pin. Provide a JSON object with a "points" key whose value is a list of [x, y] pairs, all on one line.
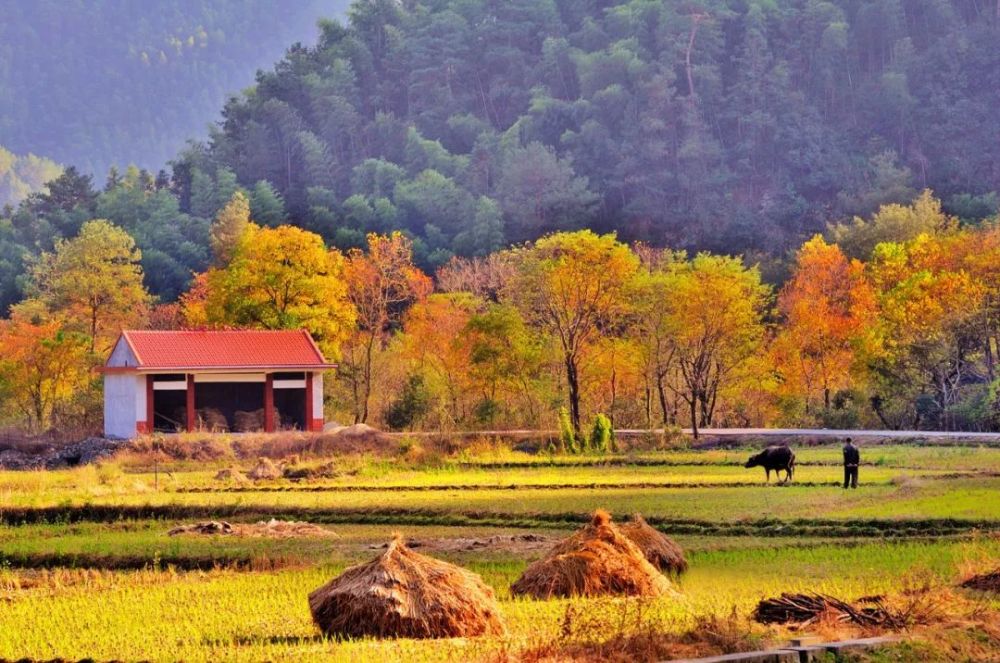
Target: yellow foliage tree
{"points": [[280, 278], [573, 285], [715, 308], [95, 282], [230, 224]]}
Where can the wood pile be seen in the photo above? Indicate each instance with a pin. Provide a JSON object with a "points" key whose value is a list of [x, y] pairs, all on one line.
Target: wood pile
{"points": [[805, 609]]}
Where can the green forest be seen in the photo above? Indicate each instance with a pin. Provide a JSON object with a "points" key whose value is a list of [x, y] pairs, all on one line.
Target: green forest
{"points": [[724, 125], [99, 82]]}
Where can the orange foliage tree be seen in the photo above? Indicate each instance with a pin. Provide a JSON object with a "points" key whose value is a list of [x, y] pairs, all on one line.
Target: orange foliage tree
{"points": [[381, 283], [43, 367], [825, 306]]}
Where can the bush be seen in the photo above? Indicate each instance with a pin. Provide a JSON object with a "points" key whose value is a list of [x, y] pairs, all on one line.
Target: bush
{"points": [[602, 435], [567, 436], [413, 404]]}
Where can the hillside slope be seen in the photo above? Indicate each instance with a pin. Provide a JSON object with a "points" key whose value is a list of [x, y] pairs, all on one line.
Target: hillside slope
{"points": [[118, 81]]}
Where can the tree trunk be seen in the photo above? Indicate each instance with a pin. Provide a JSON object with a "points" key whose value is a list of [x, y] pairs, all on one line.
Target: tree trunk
{"points": [[573, 383], [694, 417], [368, 382], [663, 399]]}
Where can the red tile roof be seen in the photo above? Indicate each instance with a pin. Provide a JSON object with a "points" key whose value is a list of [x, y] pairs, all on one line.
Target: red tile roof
{"points": [[226, 349]]}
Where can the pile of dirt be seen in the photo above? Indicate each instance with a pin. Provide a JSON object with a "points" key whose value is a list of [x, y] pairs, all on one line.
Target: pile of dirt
{"points": [[661, 551], [208, 527], [325, 471], [264, 470], [512, 543], [283, 529], [273, 529], [984, 582], [804, 609], [56, 456], [597, 560], [403, 594]]}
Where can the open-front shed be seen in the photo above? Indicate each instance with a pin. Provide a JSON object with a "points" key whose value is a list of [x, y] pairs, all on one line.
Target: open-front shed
{"points": [[230, 380]]}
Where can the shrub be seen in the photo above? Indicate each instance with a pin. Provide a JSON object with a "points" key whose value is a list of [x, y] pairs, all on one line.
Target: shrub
{"points": [[567, 436], [601, 436], [412, 405]]}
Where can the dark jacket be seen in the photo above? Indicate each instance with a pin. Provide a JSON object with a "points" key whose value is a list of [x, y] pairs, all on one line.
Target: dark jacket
{"points": [[851, 455]]}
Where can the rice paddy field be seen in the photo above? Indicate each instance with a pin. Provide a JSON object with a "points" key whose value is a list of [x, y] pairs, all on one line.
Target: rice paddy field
{"points": [[88, 569]]}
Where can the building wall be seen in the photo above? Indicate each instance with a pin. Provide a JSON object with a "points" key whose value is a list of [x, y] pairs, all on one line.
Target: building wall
{"points": [[122, 355], [317, 404], [124, 404]]}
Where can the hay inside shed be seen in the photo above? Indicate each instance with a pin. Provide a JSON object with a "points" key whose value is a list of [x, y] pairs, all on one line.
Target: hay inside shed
{"points": [[660, 550], [403, 594], [597, 560]]}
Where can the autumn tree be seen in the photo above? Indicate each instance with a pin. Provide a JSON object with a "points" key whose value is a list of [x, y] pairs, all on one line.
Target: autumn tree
{"points": [[282, 278], [574, 286], [892, 223], [380, 285], [433, 347], [230, 224], [925, 344], [43, 367], [825, 306], [506, 365], [95, 281], [652, 326], [715, 308]]}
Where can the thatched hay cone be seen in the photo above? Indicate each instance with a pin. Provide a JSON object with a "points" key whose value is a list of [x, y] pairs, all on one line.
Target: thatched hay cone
{"points": [[264, 469], [232, 474], [597, 560], [405, 594], [660, 550]]}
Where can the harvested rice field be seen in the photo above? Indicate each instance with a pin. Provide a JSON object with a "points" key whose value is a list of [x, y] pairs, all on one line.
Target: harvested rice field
{"points": [[134, 560]]}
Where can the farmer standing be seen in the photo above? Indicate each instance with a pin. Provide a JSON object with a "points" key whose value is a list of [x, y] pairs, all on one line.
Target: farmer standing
{"points": [[852, 458]]}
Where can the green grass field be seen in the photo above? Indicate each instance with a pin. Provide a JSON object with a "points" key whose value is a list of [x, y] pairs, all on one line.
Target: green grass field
{"points": [[94, 573]]}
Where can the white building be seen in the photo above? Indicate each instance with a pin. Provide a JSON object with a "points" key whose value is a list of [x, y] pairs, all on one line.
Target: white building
{"points": [[185, 380]]}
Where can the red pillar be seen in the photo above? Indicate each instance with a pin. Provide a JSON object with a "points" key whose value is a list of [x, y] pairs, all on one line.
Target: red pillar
{"points": [[147, 426], [309, 401], [190, 403], [269, 403]]}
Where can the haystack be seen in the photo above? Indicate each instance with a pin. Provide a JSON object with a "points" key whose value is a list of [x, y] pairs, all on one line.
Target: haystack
{"points": [[407, 595], [230, 474], [597, 560], [248, 422], [265, 469], [211, 419], [661, 551]]}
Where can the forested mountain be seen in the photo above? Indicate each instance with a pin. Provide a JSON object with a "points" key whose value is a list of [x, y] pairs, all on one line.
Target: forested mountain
{"points": [[726, 125], [21, 175], [730, 125], [102, 82]]}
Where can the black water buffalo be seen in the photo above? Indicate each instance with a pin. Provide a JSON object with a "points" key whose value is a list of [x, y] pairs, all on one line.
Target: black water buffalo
{"points": [[774, 458]]}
